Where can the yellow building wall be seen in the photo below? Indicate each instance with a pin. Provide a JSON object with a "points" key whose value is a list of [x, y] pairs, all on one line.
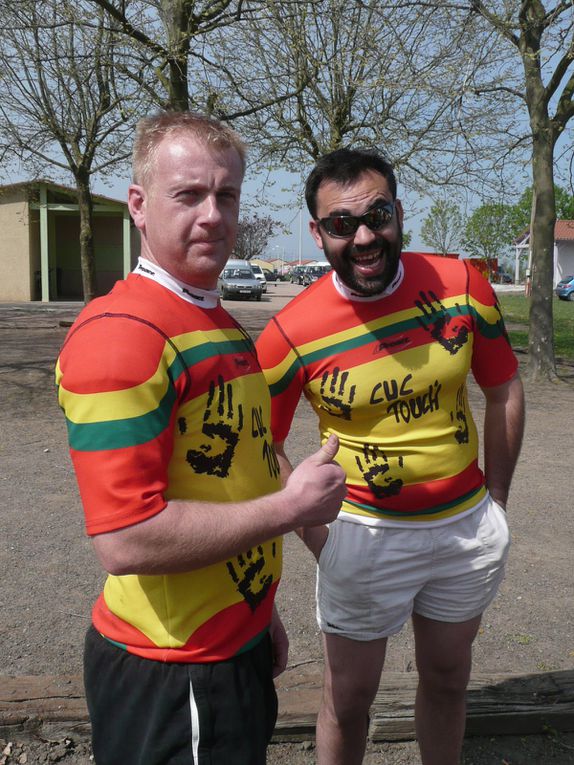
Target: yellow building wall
{"points": [[16, 268]]}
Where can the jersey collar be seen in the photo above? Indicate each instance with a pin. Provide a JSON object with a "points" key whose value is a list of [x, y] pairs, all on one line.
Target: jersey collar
{"points": [[348, 293], [193, 295]]}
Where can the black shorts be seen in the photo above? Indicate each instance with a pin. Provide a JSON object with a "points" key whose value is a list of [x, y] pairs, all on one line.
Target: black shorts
{"points": [[147, 712]]}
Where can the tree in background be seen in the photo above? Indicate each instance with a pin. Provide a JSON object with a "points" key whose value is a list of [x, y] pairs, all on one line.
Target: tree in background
{"points": [[63, 106], [521, 212], [175, 44], [488, 231], [360, 76], [253, 236], [442, 229], [541, 38], [162, 34]]}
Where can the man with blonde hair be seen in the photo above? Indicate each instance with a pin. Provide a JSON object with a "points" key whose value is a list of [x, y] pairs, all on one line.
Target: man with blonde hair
{"points": [[168, 423]]}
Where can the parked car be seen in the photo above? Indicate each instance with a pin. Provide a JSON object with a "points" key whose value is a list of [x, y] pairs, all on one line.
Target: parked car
{"points": [[238, 281], [275, 276], [312, 273], [259, 275], [297, 274], [503, 278], [565, 288]]}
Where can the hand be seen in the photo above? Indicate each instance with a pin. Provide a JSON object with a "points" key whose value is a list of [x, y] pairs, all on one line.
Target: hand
{"points": [[500, 497], [279, 642], [316, 487]]}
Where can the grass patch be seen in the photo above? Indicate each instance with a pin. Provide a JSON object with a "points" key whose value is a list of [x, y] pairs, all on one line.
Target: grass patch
{"points": [[516, 309]]}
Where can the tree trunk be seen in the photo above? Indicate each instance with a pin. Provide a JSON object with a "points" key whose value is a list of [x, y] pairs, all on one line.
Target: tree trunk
{"points": [[541, 361], [176, 17], [178, 97], [87, 255]]}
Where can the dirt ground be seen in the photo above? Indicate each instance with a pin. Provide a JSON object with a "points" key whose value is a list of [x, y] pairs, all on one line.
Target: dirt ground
{"points": [[50, 576]]}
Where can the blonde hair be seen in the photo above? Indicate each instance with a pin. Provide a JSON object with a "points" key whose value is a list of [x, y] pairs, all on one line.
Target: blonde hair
{"points": [[151, 131]]}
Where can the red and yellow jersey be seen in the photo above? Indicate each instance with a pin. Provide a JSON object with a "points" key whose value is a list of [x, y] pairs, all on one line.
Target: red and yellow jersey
{"points": [[164, 399], [388, 376]]}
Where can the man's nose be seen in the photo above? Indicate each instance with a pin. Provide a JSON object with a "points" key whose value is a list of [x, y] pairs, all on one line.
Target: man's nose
{"points": [[209, 210], [364, 235]]}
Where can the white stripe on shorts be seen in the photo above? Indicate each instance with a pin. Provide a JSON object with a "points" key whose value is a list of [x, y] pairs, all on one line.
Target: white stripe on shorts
{"points": [[194, 725]]}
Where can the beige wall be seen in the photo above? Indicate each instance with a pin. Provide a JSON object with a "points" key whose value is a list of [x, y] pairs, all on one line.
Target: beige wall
{"points": [[17, 277]]}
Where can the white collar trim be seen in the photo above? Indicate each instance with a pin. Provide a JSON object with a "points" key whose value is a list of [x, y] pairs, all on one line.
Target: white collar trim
{"points": [[348, 293], [201, 298]]}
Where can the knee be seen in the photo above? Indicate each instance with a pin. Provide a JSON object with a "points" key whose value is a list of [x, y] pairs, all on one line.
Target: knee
{"points": [[346, 707], [445, 680]]}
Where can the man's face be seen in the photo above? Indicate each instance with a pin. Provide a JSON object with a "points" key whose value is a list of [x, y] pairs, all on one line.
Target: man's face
{"points": [[366, 261], [188, 210]]}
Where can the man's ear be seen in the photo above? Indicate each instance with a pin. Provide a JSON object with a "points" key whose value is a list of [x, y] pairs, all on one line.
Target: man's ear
{"points": [[400, 212], [316, 233], [136, 205]]}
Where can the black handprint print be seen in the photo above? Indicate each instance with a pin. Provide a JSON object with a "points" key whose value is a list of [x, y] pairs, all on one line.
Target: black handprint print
{"points": [[436, 319], [338, 403], [222, 427], [461, 433], [376, 472], [251, 583]]}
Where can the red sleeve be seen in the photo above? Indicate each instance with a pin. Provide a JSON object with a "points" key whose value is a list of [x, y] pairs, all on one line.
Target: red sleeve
{"points": [[285, 376], [118, 396], [493, 360]]}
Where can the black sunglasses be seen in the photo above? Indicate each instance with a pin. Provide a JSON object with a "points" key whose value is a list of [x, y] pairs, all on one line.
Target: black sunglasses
{"points": [[344, 226]]}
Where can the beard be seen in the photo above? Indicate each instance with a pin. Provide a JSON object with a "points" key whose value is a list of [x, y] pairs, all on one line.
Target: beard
{"points": [[363, 284]]}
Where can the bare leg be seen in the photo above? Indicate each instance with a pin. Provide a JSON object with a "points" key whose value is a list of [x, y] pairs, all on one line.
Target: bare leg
{"points": [[352, 674], [444, 654]]}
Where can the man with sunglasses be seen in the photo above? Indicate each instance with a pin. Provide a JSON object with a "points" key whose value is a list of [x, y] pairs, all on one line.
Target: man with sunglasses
{"points": [[382, 348]]}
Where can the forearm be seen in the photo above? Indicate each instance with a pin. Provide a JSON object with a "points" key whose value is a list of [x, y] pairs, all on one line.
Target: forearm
{"points": [[503, 431], [187, 535], [190, 535]]}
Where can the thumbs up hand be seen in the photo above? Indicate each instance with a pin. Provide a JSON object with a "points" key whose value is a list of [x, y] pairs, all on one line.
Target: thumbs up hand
{"points": [[317, 486]]}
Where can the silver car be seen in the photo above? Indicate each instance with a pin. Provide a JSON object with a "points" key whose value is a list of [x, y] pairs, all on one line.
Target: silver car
{"points": [[239, 283]]}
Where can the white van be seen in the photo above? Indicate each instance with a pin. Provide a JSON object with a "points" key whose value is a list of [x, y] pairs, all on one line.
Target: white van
{"points": [[259, 275]]}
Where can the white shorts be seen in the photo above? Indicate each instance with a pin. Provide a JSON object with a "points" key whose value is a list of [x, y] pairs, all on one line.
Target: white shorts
{"points": [[370, 580]]}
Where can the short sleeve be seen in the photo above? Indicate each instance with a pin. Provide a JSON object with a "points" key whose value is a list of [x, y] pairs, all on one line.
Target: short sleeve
{"points": [[118, 396], [493, 360], [284, 374]]}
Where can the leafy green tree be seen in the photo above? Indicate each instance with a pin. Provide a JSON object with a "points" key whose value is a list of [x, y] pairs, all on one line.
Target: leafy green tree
{"points": [[443, 227], [488, 231], [521, 212]]}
